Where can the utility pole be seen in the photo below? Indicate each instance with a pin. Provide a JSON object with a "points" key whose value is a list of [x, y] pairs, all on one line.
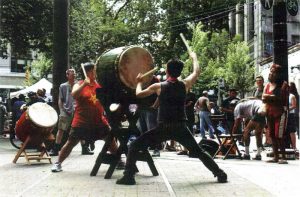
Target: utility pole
{"points": [[60, 45], [280, 49]]}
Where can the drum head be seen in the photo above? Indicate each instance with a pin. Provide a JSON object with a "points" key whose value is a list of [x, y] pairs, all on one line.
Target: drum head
{"points": [[134, 60], [42, 114]]}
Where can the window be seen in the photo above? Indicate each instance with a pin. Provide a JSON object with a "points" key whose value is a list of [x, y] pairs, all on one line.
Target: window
{"points": [[18, 66]]}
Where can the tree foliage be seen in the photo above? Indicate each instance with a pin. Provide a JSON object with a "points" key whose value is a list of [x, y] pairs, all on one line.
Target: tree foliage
{"points": [[239, 70], [221, 58], [105, 25], [99, 25], [25, 25], [39, 68]]}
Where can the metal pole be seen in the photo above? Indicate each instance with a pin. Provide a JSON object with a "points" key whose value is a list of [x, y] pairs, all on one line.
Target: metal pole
{"points": [[280, 49]]}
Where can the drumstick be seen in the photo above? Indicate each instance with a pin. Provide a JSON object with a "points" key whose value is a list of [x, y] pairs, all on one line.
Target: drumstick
{"points": [[185, 43], [97, 60], [149, 72], [82, 67]]}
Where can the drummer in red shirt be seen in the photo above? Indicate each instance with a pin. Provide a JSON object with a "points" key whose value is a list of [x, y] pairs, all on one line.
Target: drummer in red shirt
{"points": [[89, 123]]}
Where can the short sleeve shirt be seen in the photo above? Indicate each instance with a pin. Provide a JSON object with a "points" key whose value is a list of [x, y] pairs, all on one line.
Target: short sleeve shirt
{"points": [[247, 109], [88, 110], [65, 96]]}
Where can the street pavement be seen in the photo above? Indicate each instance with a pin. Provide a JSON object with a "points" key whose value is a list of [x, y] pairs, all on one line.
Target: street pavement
{"points": [[178, 176]]}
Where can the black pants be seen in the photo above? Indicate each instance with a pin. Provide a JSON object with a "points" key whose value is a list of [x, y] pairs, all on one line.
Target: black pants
{"points": [[168, 131]]}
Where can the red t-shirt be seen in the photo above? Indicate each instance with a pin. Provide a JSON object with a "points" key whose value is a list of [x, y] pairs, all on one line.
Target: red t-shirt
{"points": [[89, 111]]}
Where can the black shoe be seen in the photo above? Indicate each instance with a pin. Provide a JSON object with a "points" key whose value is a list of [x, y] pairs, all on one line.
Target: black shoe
{"points": [[126, 180], [246, 157], [257, 157], [222, 176], [53, 152], [86, 151], [184, 152]]}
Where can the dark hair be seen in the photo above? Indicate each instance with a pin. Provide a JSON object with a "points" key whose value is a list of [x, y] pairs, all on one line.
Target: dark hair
{"points": [[88, 66], [259, 77], [293, 90], [279, 74], [21, 97], [31, 94], [174, 67]]}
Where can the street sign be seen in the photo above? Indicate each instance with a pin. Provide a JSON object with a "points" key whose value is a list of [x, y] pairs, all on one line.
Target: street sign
{"points": [[292, 7], [267, 4]]}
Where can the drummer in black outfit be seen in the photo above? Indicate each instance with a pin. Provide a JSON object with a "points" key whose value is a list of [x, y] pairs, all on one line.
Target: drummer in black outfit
{"points": [[171, 120]]}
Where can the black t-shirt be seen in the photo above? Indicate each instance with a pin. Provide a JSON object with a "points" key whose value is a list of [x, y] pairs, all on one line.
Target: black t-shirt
{"points": [[226, 104]]}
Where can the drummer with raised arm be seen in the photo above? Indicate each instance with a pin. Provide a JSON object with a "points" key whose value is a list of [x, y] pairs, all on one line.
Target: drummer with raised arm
{"points": [[89, 123], [172, 121]]}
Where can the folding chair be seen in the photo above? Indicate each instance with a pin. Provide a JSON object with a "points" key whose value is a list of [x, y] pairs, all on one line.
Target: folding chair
{"points": [[227, 142]]}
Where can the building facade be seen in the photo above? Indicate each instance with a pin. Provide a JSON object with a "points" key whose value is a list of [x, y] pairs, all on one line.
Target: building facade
{"points": [[12, 73], [257, 30]]}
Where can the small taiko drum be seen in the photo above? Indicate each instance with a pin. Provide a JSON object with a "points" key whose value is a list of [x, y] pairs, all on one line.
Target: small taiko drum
{"points": [[37, 122]]}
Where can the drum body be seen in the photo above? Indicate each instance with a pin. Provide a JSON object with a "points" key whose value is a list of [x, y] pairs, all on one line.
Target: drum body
{"points": [[117, 71], [37, 122]]}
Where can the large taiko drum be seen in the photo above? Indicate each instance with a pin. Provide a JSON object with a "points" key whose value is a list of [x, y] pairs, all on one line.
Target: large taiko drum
{"points": [[118, 68], [37, 122]]}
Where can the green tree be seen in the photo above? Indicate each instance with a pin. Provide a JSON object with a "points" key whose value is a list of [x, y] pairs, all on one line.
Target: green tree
{"points": [[99, 25], [96, 26], [178, 15], [25, 25], [239, 70], [41, 67], [220, 58]]}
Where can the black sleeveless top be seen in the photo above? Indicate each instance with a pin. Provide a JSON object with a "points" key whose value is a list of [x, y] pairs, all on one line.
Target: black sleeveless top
{"points": [[171, 102]]}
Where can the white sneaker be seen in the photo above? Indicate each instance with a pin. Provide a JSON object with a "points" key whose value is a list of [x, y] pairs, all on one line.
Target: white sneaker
{"points": [[56, 167]]}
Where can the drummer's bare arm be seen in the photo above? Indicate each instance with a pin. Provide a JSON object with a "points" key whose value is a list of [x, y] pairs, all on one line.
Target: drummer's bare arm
{"points": [[78, 87], [140, 93], [192, 78]]}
